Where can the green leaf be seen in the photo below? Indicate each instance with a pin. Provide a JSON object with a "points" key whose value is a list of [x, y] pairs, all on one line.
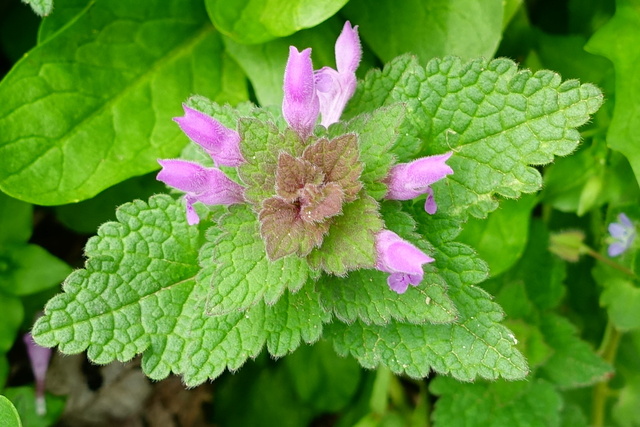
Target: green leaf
{"points": [[244, 274], [338, 160], [258, 21], [501, 238], [138, 293], [377, 133], [12, 313], [323, 379], [262, 388], [350, 242], [16, 220], [622, 300], [99, 97], [497, 120], [28, 269], [261, 146], [85, 217], [612, 41], [465, 28], [573, 363], [8, 414], [538, 277], [24, 398], [474, 346], [525, 403], [625, 409], [4, 370], [40, 7], [365, 294], [66, 11]]}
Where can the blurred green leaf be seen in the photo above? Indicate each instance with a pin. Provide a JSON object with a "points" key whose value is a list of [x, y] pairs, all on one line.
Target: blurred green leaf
{"points": [[92, 105], [625, 409], [322, 379], [524, 403], [27, 269], [429, 29], [614, 41], [263, 393], [16, 220], [8, 414], [258, 21], [4, 370], [12, 313], [574, 363], [85, 217], [501, 238], [24, 400]]}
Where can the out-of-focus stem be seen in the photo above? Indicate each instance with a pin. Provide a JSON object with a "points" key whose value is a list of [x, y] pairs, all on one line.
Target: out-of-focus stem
{"points": [[608, 350]]}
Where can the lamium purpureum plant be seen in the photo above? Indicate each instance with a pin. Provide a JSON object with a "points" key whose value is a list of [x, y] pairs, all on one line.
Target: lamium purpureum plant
{"points": [[312, 221]]}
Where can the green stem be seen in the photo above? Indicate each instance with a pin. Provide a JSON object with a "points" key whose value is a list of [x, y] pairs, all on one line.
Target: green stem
{"points": [[586, 249], [608, 350]]}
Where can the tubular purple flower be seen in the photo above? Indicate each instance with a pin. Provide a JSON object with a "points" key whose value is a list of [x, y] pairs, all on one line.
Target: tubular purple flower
{"points": [[409, 180], [335, 88], [300, 105], [39, 358], [401, 259], [207, 185], [220, 142], [623, 233]]}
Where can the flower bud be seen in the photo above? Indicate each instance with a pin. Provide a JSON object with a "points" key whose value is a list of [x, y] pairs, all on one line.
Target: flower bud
{"points": [[220, 142], [300, 105]]}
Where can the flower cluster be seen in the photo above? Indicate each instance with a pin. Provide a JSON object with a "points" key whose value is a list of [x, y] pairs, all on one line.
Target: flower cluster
{"points": [[311, 188]]}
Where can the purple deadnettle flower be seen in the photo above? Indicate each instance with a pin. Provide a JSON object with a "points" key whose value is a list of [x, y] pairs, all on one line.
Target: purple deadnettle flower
{"points": [[220, 142], [39, 358], [409, 180], [623, 234], [401, 259], [335, 88], [207, 185], [300, 105]]}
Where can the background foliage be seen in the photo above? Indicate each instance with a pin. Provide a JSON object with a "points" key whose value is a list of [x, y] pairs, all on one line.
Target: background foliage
{"points": [[86, 112]]}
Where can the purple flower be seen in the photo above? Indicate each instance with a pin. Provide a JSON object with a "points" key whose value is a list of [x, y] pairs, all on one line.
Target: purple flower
{"points": [[401, 259], [222, 143], [409, 180], [39, 358], [300, 105], [623, 234], [207, 185], [335, 88]]}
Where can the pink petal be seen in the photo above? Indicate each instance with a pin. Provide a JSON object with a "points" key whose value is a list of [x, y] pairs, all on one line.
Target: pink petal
{"points": [[184, 175], [300, 105], [222, 143], [348, 49], [409, 180]]}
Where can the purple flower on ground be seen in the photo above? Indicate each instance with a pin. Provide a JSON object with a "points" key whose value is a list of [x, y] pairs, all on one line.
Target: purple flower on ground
{"points": [[401, 259], [207, 185], [336, 87], [39, 358], [300, 105], [220, 142], [623, 234], [409, 180]]}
